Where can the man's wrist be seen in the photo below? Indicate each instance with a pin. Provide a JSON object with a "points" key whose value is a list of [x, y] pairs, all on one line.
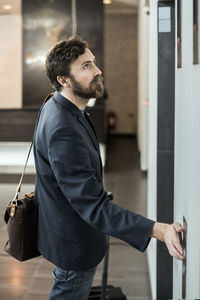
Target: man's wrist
{"points": [[158, 231]]}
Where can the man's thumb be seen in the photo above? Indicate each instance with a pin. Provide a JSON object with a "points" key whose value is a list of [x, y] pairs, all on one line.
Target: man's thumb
{"points": [[178, 227]]}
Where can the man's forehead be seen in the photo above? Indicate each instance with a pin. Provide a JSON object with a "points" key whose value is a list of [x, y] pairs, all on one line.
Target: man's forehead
{"points": [[86, 56]]}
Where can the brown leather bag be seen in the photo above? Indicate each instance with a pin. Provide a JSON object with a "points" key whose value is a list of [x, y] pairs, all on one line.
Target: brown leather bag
{"points": [[21, 219]]}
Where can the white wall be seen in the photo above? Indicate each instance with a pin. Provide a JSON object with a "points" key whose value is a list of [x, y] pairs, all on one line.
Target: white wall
{"points": [[152, 152], [187, 157], [11, 58], [143, 84]]}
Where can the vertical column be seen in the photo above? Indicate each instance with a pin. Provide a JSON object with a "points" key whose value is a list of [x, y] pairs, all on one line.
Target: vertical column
{"points": [[90, 26], [165, 140]]}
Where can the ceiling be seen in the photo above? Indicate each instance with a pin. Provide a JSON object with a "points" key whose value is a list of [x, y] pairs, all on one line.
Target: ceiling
{"points": [[130, 2], [118, 7], [16, 5]]}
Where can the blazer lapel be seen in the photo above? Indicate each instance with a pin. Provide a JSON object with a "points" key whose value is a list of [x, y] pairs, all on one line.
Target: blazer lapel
{"points": [[92, 134], [90, 122], [90, 131]]}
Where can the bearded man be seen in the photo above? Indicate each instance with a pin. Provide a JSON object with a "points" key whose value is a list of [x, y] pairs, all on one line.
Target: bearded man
{"points": [[74, 211]]}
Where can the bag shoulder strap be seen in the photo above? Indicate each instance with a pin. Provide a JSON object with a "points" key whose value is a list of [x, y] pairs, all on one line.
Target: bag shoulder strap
{"points": [[29, 152]]}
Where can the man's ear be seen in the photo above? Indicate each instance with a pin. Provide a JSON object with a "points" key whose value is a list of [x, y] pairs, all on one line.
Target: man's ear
{"points": [[64, 81]]}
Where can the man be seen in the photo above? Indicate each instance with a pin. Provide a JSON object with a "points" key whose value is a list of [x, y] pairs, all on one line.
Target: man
{"points": [[74, 211]]}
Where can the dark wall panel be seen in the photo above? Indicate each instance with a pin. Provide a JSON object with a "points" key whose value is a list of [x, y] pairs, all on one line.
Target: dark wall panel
{"points": [[44, 23], [47, 22], [165, 146], [17, 125]]}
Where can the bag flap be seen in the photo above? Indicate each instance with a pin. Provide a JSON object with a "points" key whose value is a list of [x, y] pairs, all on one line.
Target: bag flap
{"points": [[7, 214]]}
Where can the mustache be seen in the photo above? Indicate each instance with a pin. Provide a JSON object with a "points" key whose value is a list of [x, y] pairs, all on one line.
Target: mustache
{"points": [[97, 79]]}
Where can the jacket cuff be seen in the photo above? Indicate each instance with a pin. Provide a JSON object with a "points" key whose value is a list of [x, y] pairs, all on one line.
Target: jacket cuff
{"points": [[142, 244]]}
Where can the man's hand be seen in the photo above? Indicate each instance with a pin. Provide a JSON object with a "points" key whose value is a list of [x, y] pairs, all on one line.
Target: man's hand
{"points": [[169, 233]]}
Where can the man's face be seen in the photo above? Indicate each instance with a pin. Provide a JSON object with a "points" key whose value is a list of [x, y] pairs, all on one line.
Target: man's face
{"points": [[85, 77]]}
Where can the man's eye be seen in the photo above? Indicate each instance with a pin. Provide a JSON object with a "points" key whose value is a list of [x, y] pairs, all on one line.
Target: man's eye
{"points": [[86, 66]]}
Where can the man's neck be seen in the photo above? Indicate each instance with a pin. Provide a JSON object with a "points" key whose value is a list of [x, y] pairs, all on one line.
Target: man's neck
{"points": [[79, 102]]}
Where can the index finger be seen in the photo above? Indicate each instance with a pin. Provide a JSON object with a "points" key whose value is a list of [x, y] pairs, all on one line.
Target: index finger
{"points": [[177, 245]]}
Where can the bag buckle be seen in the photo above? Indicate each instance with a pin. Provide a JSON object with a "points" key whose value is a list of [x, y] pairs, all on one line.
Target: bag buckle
{"points": [[12, 210], [15, 198], [13, 205]]}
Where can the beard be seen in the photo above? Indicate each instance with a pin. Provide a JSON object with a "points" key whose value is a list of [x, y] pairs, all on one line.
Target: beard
{"points": [[95, 89]]}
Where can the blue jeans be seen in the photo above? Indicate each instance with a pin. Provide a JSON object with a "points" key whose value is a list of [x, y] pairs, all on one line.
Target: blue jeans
{"points": [[71, 285]]}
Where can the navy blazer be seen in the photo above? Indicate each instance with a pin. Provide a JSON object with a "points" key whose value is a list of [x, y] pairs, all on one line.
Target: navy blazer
{"points": [[74, 211]]}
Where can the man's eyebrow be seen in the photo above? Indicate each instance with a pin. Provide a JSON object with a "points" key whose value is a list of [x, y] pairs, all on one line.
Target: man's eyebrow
{"points": [[89, 61]]}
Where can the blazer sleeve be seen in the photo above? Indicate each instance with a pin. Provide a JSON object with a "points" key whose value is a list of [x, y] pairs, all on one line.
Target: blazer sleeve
{"points": [[71, 165]]}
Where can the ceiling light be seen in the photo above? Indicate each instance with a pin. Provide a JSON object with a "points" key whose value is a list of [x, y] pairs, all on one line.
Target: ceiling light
{"points": [[7, 7], [107, 1]]}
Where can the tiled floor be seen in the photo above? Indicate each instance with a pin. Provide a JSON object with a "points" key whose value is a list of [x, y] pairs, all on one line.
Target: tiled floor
{"points": [[32, 280]]}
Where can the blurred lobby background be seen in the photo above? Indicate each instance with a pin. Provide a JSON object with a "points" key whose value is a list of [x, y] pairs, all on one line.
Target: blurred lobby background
{"points": [[147, 123]]}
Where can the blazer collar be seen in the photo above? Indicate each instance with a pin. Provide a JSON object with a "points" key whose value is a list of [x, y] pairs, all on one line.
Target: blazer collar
{"points": [[76, 111], [65, 102]]}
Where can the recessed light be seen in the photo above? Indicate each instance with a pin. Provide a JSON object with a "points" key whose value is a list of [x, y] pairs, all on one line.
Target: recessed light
{"points": [[107, 1], [7, 7]]}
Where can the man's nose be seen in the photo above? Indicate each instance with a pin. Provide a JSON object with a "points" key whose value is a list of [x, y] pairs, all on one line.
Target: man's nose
{"points": [[97, 71]]}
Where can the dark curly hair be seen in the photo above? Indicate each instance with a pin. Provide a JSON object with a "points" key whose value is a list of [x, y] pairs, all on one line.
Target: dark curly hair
{"points": [[61, 56]]}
